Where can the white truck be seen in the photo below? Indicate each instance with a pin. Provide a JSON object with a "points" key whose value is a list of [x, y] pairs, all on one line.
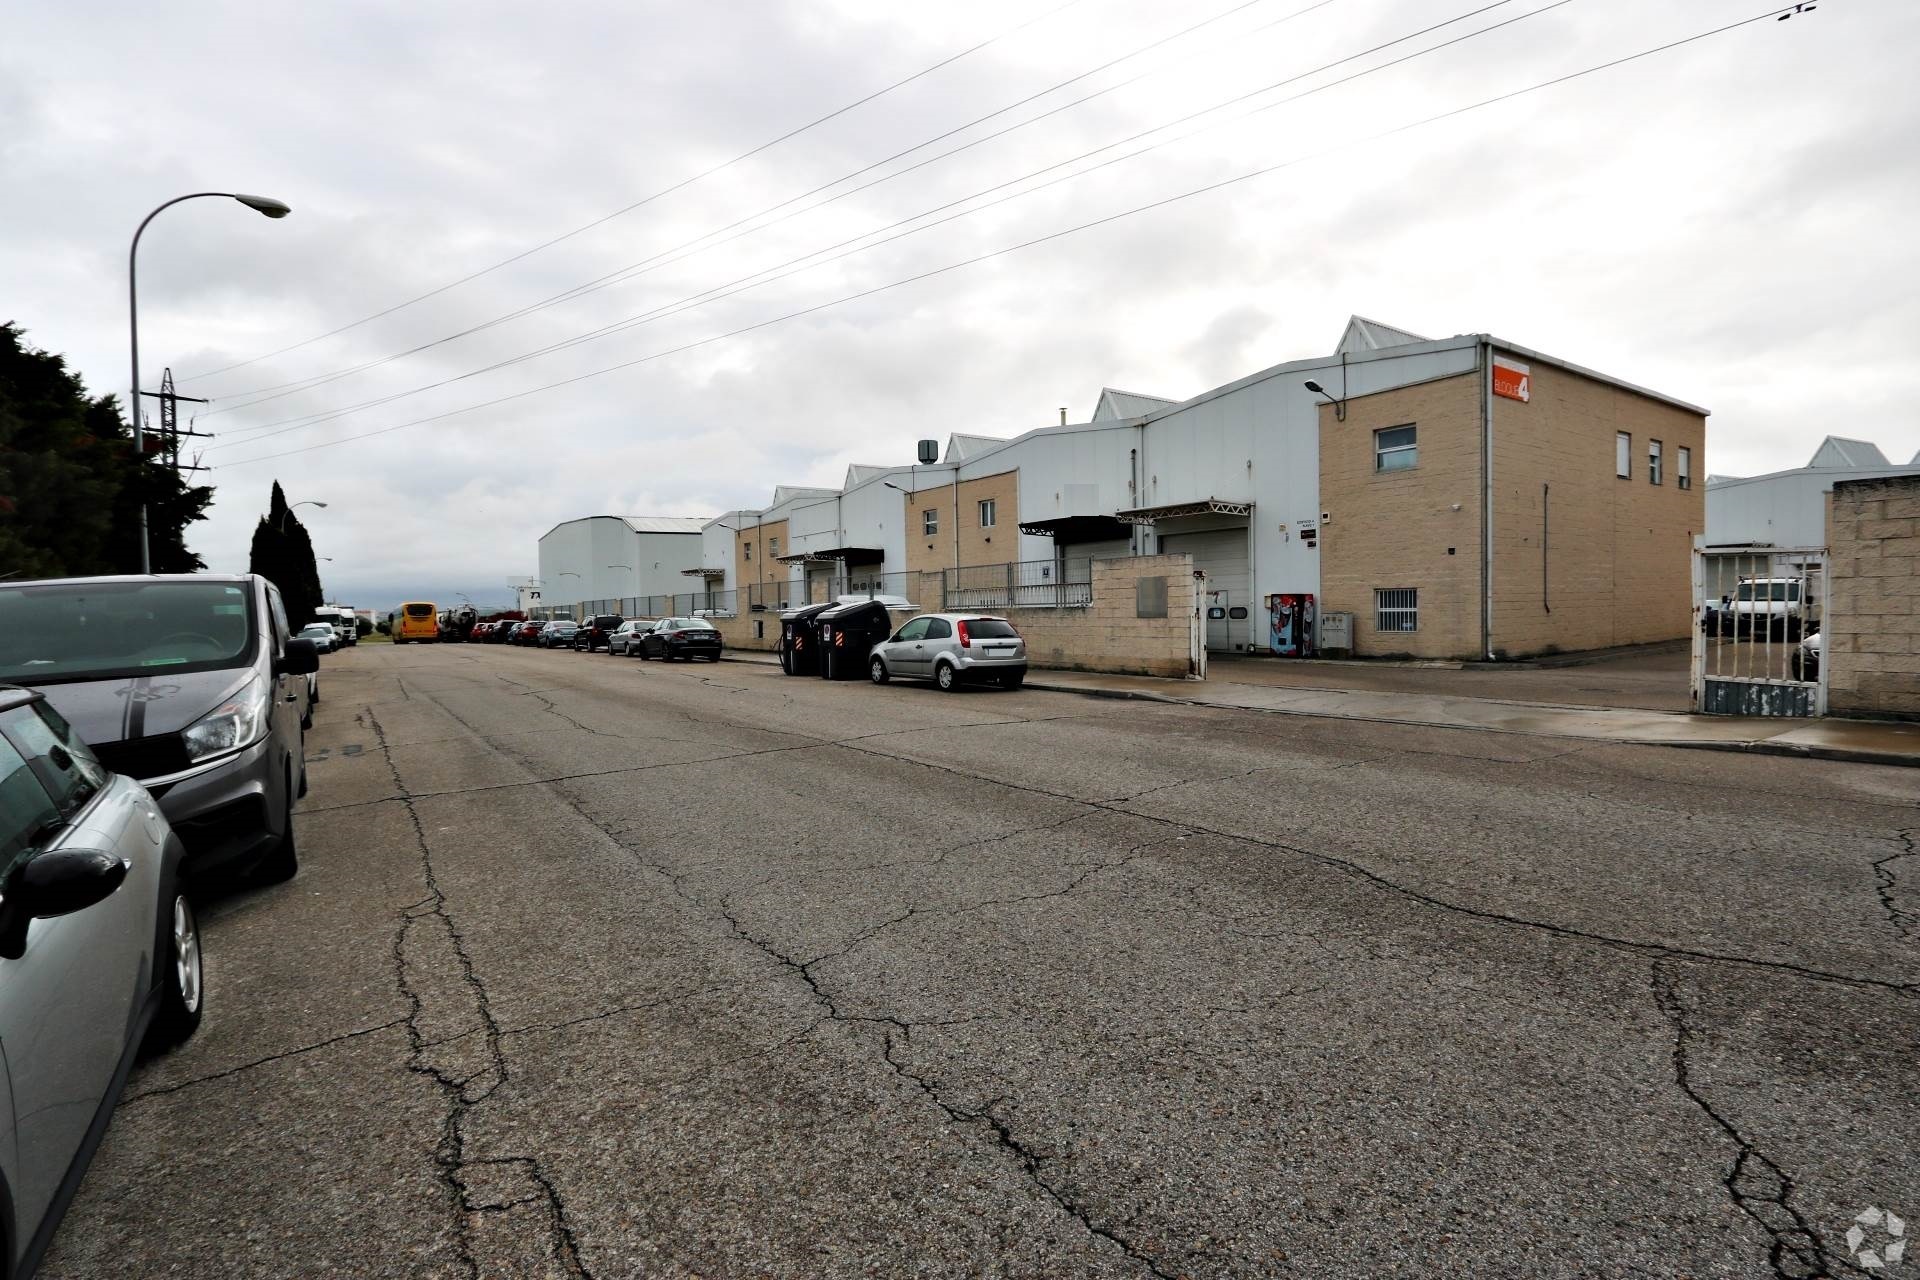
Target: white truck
{"points": [[1780, 607], [346, 627]]}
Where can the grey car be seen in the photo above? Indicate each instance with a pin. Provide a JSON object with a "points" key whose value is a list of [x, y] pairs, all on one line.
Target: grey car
{"points": [[189, 684], [99, 954], [952, 649]]}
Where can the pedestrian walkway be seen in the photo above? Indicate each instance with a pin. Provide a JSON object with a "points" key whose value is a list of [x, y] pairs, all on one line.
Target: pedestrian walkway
{"points": [[1864, 741]]}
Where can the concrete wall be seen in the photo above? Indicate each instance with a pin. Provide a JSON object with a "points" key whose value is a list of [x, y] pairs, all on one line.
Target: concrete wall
{"points": [[1401, 528], [1873, 621], [1619, 551], [1107, 635]]}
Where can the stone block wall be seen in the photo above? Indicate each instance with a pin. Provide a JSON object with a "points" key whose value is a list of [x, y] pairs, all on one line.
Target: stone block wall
{"points": [[1872, 627]]}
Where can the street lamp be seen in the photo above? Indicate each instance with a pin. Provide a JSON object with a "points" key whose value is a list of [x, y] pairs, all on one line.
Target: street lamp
{"points": [[264, 204], [310, 502], [636, 579]]}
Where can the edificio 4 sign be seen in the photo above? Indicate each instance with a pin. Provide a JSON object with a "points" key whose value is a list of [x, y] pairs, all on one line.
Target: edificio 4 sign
{"points": [[1512, 379]]}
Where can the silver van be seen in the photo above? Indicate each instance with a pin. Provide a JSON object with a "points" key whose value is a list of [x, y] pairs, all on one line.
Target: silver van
{"points": [[191, 685], [952, 649]]}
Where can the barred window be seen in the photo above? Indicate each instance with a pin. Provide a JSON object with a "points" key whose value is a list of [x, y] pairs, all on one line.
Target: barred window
{"points": [[1396, 608]]}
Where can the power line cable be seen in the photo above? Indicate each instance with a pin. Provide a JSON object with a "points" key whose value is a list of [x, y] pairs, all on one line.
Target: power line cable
{"points": [[1044, 239], [665, 191], [633, 269], [749, 281]]}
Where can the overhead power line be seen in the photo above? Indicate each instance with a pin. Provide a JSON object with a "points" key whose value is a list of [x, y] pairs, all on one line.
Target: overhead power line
{"points": [[261, 395], [775, 273], [1339, 149], [646, 200]]}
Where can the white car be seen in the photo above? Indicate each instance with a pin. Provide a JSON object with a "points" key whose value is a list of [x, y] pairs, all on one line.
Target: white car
{"points": [[1806, 658], [1773, 605], [321, 634]]}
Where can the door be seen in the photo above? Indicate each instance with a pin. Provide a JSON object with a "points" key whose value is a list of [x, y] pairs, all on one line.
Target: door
{"points": [[907, 653], [1222, 555], [66, 1003]]}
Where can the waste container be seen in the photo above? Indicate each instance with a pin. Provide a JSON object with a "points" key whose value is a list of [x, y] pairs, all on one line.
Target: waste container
{"points": [[848, 633], [799, 650]]}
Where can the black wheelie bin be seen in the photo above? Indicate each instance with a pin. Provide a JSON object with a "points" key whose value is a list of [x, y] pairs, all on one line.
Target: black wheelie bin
{"points": [[799, 650], [848, 633]]}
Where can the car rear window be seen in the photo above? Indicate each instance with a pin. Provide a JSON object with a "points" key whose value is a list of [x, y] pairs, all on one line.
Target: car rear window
{"points": [[106, 630], [991, 629]]}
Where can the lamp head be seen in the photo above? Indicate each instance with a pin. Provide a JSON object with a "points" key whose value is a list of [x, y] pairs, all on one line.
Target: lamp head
{"points": [[1315, 387], [266, 204]]}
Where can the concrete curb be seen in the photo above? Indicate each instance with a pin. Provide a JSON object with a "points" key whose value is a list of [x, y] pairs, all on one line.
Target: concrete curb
{"points": [[1758, 747]]}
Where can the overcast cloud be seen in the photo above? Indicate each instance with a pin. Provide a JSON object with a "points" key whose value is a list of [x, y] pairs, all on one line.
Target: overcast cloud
{"points": [[1728, 222]]}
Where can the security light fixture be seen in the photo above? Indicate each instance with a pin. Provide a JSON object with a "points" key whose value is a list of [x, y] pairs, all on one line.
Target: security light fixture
{"points": [[1339, 406]]}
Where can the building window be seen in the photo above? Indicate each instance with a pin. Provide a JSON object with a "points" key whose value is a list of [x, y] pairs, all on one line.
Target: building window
{"points": [[1683, 468], [773, 548], [930, 522], [1653, 462], [748, 547], [1396, 608], [986, 513], [1623, 455], [1394, 449]]}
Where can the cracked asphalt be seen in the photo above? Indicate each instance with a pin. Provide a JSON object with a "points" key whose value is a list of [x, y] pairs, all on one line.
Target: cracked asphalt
{"points": [[598, 968]]}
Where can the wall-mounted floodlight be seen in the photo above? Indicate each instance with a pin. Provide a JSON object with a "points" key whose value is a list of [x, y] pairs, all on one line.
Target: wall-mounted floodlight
{"points": [[1339, 406]]}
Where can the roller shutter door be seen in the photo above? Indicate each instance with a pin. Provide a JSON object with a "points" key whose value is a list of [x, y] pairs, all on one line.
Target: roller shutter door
{"points": [[1222, 555]]}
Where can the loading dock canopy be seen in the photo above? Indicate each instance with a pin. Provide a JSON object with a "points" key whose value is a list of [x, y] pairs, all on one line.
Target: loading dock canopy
{"points": [[1064, 529], [852, 557], [1180, 510], [704, 573]]}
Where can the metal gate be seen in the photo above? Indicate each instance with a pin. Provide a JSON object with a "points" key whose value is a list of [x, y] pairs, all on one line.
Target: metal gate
{"points": [[1757, 644]]}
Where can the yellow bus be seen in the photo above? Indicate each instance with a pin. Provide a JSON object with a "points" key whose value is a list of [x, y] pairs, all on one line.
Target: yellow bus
{"points": [[415, 620]]}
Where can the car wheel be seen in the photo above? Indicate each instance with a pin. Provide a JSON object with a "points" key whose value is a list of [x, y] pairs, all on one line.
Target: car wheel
{"points": [[644, 655], [947, 678], [283, 860], [1013, 681], [878, 671], [182, 980]]}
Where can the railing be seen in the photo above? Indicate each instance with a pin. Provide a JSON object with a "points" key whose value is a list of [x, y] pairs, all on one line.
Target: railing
{"points": [[1025, 584]]}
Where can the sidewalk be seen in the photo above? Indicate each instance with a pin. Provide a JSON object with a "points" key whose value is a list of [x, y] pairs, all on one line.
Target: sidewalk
{"points": [[1858, 741]]}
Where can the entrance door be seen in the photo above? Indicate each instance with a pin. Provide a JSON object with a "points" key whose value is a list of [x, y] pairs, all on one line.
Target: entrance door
{"points": [[1222, 555]]}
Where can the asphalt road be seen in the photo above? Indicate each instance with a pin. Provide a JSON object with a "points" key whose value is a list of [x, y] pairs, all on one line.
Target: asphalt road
{"points": [[603, 968]]}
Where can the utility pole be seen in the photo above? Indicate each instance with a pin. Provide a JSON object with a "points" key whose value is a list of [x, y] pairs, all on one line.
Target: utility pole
{"points": [[170, 431]]}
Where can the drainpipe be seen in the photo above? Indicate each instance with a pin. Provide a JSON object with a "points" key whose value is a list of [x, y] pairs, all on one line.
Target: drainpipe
{"points": [[1486, 497], [1133, 487]]}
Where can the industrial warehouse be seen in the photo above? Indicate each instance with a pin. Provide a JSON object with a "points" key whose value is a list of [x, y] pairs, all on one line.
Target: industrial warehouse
{"points": [[1465, 498]]}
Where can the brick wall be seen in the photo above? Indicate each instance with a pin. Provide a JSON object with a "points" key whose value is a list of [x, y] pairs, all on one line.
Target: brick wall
{"points": [[1872, 627], [751, 563], [1400, 528], [1106, 635], [978, 545], [1619, 562], [1617, 553]]}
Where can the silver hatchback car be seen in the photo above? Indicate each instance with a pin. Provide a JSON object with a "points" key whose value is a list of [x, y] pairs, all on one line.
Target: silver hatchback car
{"points": [[99, 955], [952, 649]]}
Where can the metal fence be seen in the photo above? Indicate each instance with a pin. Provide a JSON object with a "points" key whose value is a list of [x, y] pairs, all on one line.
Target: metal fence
{"points": [[1753, 609], [1024, 584]]}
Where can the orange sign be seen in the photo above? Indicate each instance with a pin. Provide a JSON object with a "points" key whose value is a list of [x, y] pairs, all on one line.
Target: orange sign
{"points": [[1512, 379]]}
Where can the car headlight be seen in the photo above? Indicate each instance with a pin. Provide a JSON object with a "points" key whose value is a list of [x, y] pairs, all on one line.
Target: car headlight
{"points": [[235, 723]]}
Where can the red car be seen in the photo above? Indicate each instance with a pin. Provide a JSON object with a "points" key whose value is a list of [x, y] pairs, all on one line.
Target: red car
{"points": [[524, 632]]}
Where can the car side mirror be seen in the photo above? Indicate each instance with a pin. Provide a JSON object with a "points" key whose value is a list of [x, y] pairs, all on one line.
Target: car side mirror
{"points": [[301, 659], [55, 883]]}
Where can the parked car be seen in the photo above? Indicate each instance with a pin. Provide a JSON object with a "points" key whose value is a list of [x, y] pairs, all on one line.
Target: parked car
{"points": [[325, 638], [952, 649], [188, 684], [100, 951], [503, 630], [556, 635], [626, 637], [1771, 605], [526, 632], [686, 638], [1806, 657], [594, 632]]}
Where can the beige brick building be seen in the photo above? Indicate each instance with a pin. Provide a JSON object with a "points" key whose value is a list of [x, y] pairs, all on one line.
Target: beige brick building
{"points": [[987, 509], [1592, 498]]}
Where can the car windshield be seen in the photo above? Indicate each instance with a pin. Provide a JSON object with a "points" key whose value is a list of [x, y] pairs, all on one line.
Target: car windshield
{"points": [[1769, 591], [316, 629], [106, 630]]}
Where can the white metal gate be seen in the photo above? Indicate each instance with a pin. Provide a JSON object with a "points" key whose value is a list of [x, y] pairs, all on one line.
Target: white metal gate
{"points": [[1222, 555], [1758, 617]]}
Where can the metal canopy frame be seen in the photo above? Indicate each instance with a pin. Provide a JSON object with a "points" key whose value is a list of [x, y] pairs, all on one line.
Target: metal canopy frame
{"points": [[852, 557], [703, 573], [1070, 529], [1182, 510]]}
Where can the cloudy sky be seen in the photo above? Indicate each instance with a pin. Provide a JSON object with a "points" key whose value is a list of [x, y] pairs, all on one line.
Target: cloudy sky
{"points": [[1728, 222]]}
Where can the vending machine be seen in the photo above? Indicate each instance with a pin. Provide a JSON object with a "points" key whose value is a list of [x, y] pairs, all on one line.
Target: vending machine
{"points": [[1290, 628]]}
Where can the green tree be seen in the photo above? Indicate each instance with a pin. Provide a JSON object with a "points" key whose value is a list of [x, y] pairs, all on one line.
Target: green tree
{"points": [[283, 554], [70, 487]]}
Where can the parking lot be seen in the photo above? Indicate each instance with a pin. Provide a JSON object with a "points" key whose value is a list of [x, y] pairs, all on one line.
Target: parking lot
{"points": [[601, 968]]}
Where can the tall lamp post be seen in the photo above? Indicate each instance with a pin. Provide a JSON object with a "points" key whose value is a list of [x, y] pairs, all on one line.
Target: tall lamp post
{"points": [[264, 204]]}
